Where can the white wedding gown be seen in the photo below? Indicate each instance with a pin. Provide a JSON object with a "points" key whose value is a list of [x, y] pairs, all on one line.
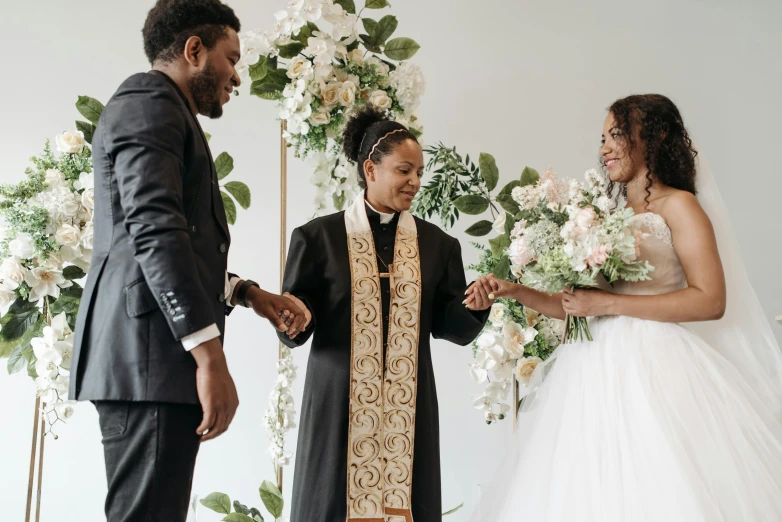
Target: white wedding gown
{"points": [[648, 423]]}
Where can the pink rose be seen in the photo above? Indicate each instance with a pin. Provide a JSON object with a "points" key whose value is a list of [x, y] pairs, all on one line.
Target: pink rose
{"points": [[598, 256]]}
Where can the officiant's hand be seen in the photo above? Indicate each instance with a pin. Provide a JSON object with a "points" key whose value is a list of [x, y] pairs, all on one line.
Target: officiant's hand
{"points": [[302, 307], [216, 389], [478, 295], [280, 311]]}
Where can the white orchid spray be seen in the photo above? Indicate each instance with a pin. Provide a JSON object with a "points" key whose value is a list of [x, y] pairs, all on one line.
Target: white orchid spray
{"points": [[319, 65]]}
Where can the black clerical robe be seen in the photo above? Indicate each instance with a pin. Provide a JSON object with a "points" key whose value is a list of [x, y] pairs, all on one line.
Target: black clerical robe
{"points": [[318, 272]]}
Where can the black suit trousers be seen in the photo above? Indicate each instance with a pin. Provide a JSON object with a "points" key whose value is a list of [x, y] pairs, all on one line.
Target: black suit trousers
{"points": [[150, 450]]}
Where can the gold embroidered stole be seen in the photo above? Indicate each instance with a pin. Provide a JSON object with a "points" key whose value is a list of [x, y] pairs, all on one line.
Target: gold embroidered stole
{"points": [[382, 405]]}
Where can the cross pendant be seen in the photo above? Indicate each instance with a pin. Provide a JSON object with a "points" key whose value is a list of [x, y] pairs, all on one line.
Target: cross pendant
{"points": [[391, 276]]}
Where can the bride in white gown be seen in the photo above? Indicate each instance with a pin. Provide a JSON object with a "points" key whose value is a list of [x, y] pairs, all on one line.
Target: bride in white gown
{"points": [[650, 421]]}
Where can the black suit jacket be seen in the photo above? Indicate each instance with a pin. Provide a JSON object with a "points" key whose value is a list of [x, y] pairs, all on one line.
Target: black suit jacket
{"points": [[160, 249]]}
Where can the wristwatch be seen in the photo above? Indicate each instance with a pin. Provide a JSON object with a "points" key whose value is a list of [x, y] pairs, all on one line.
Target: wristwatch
{"points": [[241, 292]]}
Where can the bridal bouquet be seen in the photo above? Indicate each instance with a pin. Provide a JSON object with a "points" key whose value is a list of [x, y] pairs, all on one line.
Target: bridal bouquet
{"points": [[318, 75], [568, 234]]}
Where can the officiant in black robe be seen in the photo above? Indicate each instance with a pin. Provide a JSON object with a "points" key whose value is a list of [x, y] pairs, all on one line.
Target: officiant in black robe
{"points": [[378, 283]]}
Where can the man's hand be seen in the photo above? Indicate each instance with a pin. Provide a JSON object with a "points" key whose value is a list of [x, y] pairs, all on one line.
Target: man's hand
{"points": [[216, 389], [283, 313]]}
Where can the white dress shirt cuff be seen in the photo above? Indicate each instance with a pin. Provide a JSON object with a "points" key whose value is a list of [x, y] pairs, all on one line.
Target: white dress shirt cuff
{"points": [[230, 289], [201, 336]]}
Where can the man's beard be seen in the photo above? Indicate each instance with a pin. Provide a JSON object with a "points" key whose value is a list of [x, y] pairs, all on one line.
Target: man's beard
{"points": [[204, 88]]}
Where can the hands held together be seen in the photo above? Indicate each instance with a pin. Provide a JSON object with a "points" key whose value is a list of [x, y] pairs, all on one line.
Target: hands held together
{"points": [[285, 312], [577, 303]]}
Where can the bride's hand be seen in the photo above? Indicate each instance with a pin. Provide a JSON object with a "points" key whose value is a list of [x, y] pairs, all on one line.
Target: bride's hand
{"points": [[587, 303], [501, 288]]}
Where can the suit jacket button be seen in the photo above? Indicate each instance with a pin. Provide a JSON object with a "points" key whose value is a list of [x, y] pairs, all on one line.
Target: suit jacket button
{"points": [[193, 229], [221, 298], [223, 248]]}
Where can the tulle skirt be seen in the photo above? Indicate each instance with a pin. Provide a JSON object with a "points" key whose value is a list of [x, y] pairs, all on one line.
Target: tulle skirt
{"points": [[646, 423]]}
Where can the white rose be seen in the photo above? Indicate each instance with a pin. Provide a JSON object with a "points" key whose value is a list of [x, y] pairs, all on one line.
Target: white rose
{"points": [[321, 117], [12, 273], [67, 235], [499, 223], [88, 200], [347, 94], [497, 315], [54, 178], [382, 68], [70, 142], [586, 217], [356, 56], [87, 236], [300, 67], [22, 247], [330, 95], [70, 205], [380, 100], [525, 368], [518, 228]]}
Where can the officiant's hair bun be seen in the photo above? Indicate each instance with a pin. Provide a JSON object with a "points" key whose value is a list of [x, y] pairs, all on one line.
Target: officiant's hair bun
{"points": [[171, 22], [369, 134]]}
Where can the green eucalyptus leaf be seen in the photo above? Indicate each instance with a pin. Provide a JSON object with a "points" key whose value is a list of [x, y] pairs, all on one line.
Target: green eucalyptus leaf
{"points": [[370, 26], [224, 164], [259, 70], [272, 498], [16, 362], [481, 228], [217, 502], [508, 203], [73, 272], [230, 208], [471, 204], [498, 246], [377, 4], [291, 50], [489, 171], [508, 189], [240, 192], [384, 29], [90, 108], [88, 129], [401, 48], [17, 324], [237, 517], [529, 176]]}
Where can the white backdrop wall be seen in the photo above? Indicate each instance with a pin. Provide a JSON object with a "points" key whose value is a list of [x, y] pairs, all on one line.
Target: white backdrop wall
{"points": [[526, 81]]}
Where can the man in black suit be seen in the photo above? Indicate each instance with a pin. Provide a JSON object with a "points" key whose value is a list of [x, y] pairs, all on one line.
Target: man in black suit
{"points": [[148, 349]]}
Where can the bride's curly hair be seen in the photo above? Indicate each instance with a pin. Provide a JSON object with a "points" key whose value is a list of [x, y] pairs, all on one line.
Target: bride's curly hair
{"points": [[670, 156]]}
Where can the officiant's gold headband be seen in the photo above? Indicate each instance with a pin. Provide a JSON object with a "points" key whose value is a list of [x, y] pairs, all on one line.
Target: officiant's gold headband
{"points": [[381, 139]]}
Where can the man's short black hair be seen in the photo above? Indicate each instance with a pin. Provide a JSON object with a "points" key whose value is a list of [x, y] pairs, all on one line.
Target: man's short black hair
{"points": [[171, 22]]}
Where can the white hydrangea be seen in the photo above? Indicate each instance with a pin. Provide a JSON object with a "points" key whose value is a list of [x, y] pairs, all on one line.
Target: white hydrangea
{"points": [[409, 82]]}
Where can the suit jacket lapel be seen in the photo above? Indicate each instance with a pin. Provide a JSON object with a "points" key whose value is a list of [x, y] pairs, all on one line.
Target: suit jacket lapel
{"points": [[218, 209]]}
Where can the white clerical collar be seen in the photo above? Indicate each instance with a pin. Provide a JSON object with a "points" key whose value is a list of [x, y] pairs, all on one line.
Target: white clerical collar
{"points": [[384, 218]]}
